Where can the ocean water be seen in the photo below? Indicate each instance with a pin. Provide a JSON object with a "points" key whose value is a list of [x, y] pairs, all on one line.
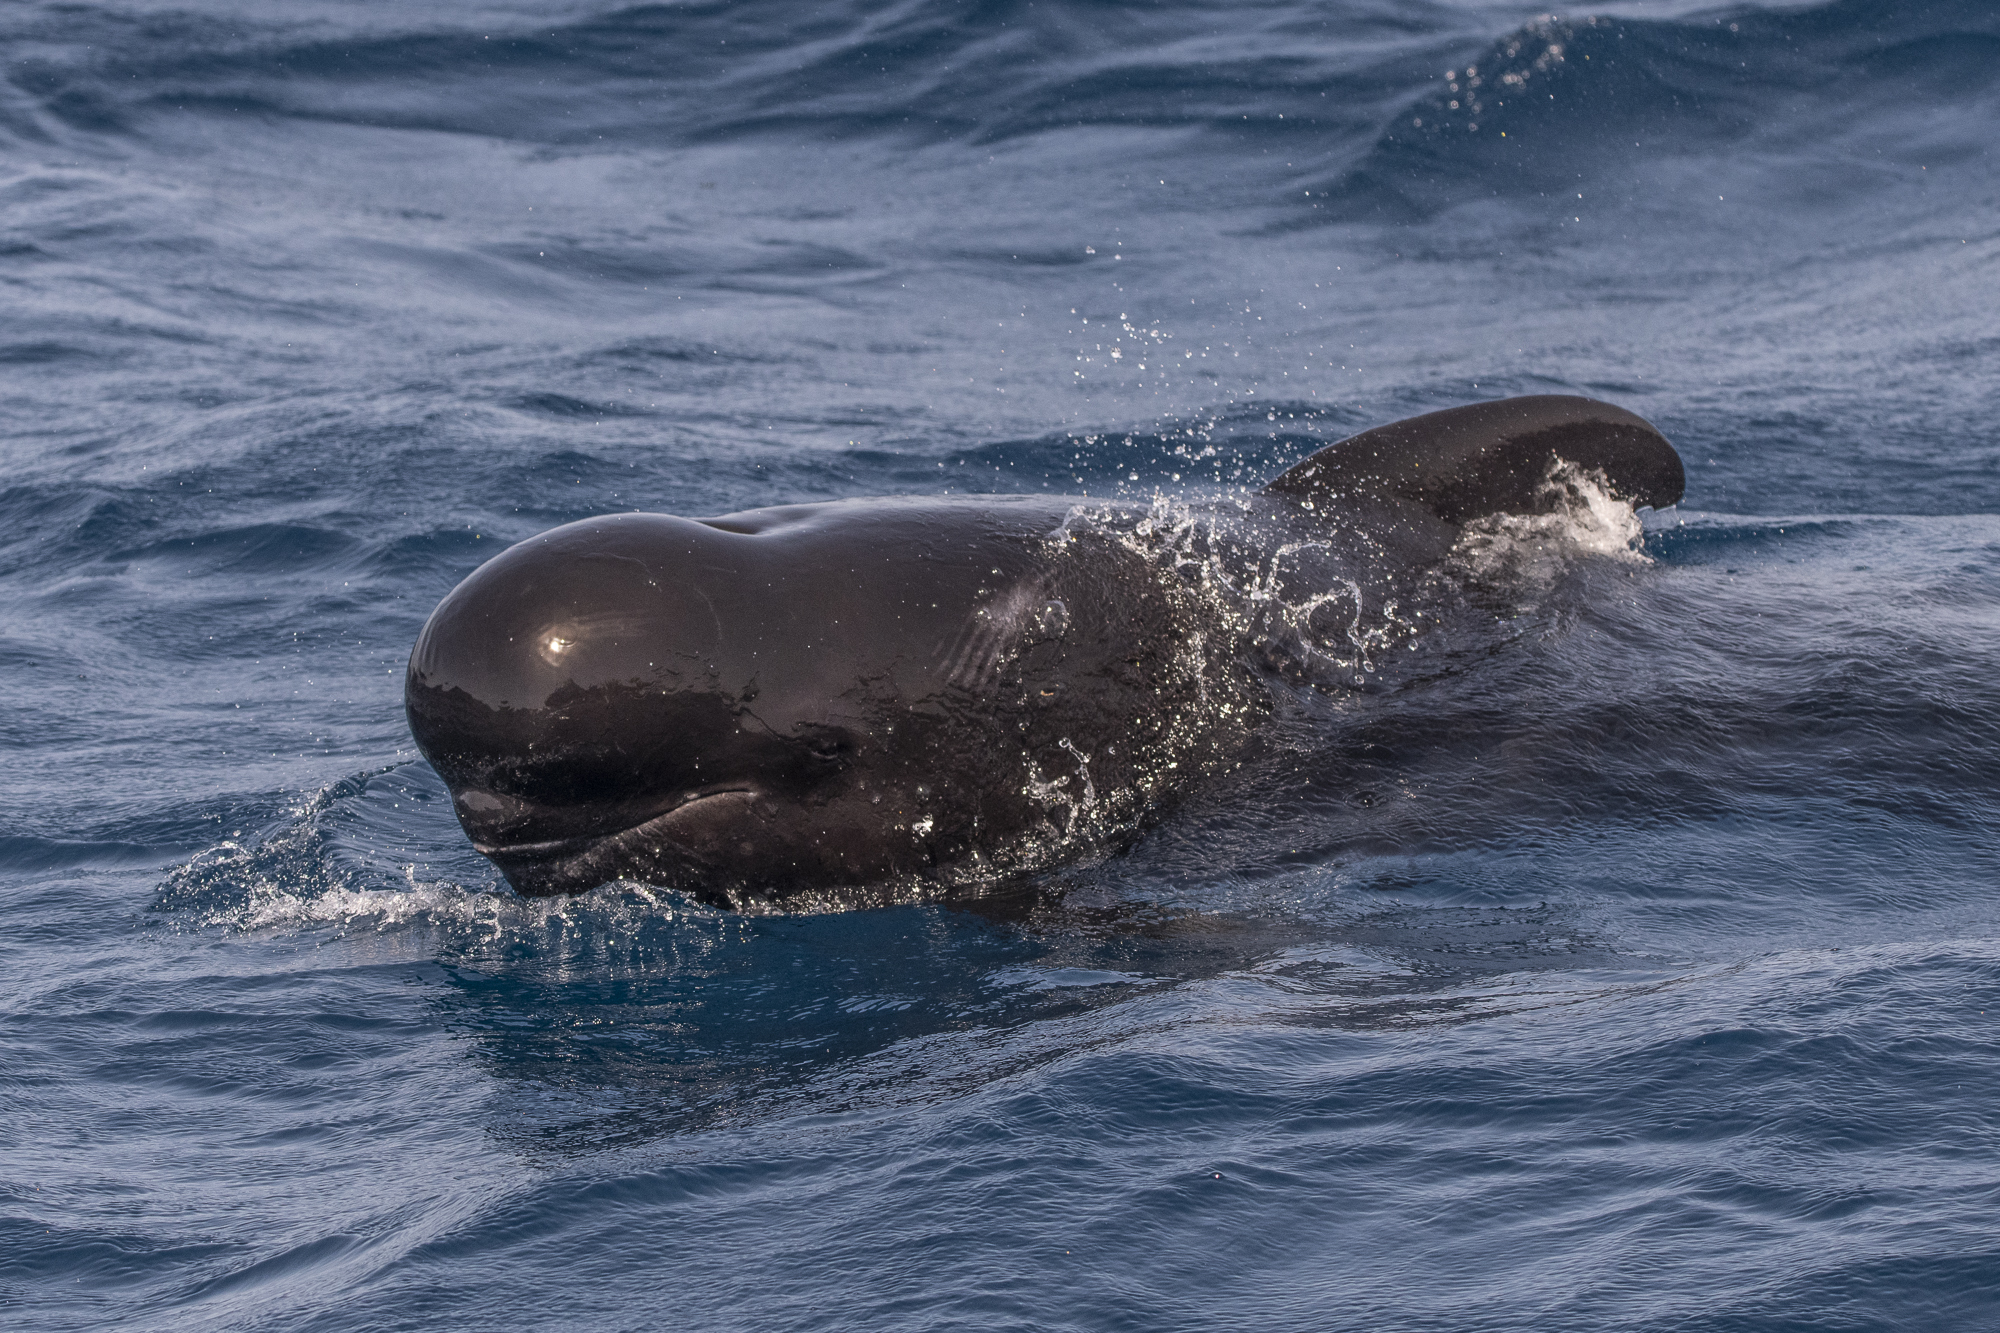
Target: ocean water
{"points": [[1640, 970]]}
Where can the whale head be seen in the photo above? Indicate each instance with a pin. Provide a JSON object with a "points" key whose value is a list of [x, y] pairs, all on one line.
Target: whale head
{"points": [[812, 696]]}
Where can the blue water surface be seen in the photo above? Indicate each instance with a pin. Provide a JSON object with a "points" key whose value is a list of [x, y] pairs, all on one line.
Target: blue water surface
{"points": [[1641, 971]]}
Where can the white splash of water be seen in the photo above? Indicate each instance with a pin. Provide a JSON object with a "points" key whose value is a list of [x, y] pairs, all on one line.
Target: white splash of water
{"points": [[1533, 550]]}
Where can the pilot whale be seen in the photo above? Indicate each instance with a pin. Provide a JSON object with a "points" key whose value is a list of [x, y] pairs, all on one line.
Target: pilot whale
{"points": [[942, 690]]}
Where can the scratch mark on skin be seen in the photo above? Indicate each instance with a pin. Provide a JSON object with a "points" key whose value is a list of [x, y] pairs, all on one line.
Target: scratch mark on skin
{"points": [[711, 614]]}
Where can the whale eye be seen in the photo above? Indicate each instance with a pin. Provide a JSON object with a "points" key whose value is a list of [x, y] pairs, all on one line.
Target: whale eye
{"points": [[828, 747], [557, 643]]}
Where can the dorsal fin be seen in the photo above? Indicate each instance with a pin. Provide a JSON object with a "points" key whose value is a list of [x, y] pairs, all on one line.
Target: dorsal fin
{"points": [[1489, 458]]}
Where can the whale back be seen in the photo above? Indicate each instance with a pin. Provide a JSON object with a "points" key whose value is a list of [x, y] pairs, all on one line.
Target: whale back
{"points": [[1486, 458]]}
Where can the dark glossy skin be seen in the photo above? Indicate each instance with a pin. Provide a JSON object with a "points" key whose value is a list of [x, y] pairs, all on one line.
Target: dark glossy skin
{"points": [[832, 696], [818, 695]]}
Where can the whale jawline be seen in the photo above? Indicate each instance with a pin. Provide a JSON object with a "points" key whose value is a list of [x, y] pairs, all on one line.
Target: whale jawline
{"points": [[574, 865]]}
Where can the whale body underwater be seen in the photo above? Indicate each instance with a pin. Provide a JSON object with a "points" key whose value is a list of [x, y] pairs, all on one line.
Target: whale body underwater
{"points": [[945, 691]]}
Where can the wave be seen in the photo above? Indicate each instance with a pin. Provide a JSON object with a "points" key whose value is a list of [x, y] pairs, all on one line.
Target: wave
{"points": [[1557, 99], [971, 68], [1371, 79]]}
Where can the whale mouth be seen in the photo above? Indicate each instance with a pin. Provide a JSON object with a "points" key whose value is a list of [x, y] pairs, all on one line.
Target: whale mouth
{"points": [[666, 842]]}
